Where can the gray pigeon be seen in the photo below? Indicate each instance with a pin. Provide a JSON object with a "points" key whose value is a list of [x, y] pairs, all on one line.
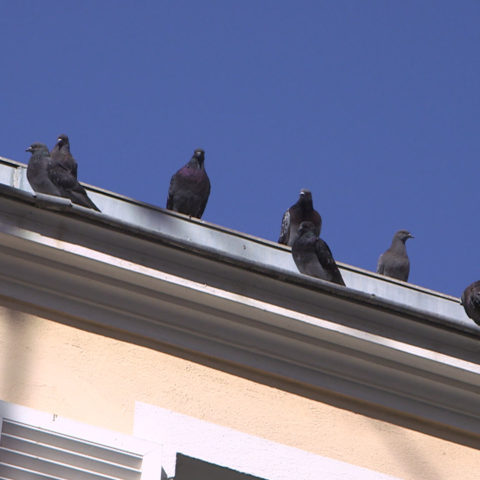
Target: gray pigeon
{"points": [[312, 255], [190, 187], [296, 214], [394, 262], [471, 301], [61, 153], [49, 176], [38, 168]]}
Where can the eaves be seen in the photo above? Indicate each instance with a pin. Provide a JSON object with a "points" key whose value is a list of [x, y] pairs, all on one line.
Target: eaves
{"points": [[238, 299]]}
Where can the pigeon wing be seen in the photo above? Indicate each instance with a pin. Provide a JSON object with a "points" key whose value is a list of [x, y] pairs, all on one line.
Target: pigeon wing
{"points": [[325, 258], [171, 191], [285, 228], [78, 195], [381, 264], [61, 177], [73, 167], [204, 201], [69, 186], [65, 159]]}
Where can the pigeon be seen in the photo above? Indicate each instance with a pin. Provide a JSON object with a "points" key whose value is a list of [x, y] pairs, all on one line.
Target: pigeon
{"points": [[38, 168], [296, 214], [471, 301], [63, 173], [394, 262], [69, 185], [190, 187], [49, 176], [312, 255], [61, 153]]}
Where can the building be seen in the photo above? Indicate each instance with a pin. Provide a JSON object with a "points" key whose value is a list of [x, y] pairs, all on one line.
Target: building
{"points": [[139, 343]]}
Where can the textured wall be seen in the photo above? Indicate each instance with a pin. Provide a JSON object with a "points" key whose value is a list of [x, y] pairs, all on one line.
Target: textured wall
{"points": [[96, 379]]}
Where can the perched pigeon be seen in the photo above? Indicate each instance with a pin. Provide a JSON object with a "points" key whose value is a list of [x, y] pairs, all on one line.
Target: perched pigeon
{"points": [[471, 301], [49, 176], [296, 214], [190, 187], [64, 174], [61, 153], [312, 255], [38, 170], [394, 262]]}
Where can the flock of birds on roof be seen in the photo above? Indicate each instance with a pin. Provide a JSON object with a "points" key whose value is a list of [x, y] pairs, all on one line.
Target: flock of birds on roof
{"points": [[55, 173]]}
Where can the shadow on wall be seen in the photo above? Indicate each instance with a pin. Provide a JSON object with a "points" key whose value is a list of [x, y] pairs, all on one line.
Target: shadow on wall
{"points": [[410, 460], [16, 353], [16, 366]]}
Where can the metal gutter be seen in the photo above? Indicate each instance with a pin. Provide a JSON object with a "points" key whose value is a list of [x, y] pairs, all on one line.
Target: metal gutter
{"points": [[366, 287]]}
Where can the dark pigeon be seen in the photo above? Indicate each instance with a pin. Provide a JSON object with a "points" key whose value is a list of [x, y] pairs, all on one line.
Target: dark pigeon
{"points": [[471, 301], [312, 255], [61, 153], [38, 170], [70, 187], [295, 215], [63, 172], [394, 262], [190, 187]]}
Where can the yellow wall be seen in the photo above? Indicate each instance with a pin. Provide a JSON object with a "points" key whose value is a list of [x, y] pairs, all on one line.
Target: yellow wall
{"points": [[96, 379]]}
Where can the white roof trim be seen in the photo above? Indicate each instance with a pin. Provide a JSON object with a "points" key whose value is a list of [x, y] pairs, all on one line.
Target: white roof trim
{"points": [[98, 270]]}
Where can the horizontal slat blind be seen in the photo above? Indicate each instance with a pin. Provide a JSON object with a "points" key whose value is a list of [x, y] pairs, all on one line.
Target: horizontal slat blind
{"points": [[30, 453]]}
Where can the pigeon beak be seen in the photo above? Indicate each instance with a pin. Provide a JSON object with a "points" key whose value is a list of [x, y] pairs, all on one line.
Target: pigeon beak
{"points": [[410, 236], [29, 149]]}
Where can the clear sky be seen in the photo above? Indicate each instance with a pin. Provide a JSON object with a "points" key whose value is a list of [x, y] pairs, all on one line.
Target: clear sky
{"points": [[373, 105]]}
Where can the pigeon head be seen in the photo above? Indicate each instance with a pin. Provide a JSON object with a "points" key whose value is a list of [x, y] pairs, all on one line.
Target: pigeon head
{"points": [[306, 227], [306, 194], [305, 199], [37, 148], [63, 140], [200, 154], [403, 235], [198, 157]]}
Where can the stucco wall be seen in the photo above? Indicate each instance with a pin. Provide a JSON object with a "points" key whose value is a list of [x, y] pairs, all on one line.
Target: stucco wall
{"points": [[96, 379]]}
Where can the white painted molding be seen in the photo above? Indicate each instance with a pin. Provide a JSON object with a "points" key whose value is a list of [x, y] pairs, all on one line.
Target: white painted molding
{"points": [[278, 323], [236, 450]]}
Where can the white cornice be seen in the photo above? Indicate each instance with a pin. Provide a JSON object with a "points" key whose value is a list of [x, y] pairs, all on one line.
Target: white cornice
{"points": [[97, 270]]}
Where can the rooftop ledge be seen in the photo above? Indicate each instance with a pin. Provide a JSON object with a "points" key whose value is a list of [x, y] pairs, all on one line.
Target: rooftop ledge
{"points": [[237, 248], [203, 288]]}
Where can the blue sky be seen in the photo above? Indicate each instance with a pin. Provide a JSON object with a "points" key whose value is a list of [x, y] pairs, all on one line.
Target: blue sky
{"points": [[372, 105]]}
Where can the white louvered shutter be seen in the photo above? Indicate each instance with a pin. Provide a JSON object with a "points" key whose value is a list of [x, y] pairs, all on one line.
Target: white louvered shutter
{"points": [[30, 453]]}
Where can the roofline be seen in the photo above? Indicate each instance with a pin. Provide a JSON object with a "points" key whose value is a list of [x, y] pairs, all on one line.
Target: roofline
{"points": [[246, 309], [60, 204]]}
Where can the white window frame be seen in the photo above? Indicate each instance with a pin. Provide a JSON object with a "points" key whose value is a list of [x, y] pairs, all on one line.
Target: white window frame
{"points": [[238, 451]]}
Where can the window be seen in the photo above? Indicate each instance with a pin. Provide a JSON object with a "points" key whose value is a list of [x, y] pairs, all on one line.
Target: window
{"points": [[188, 468], [38, 446]]}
